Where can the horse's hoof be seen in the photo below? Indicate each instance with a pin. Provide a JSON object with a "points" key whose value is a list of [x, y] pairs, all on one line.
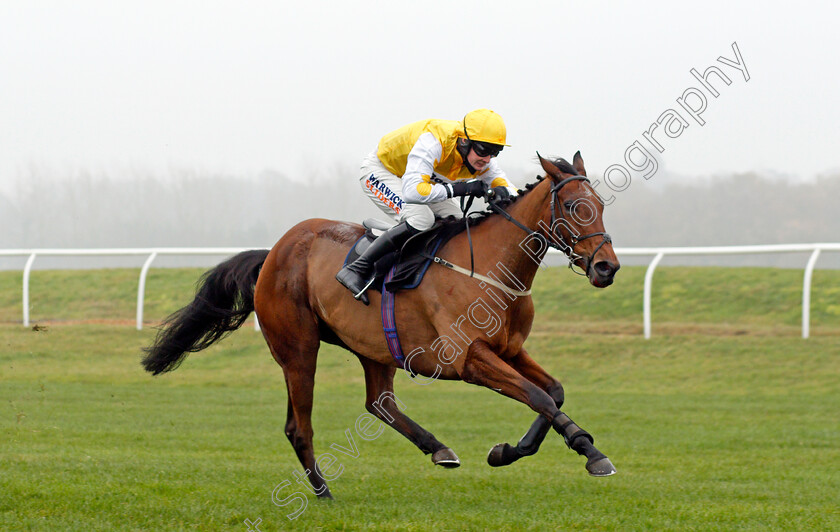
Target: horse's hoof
{"points": [[601, 467], [496, 455], [446, 458]]}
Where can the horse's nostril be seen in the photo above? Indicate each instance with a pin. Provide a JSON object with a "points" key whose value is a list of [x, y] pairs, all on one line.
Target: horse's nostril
{"points": [[605, 268]]}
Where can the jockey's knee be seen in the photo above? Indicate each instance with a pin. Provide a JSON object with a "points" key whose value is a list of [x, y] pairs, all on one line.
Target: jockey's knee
{"points": [[420, 218]]}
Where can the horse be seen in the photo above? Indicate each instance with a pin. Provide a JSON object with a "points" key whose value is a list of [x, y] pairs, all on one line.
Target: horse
{"points": [[456, 328]]}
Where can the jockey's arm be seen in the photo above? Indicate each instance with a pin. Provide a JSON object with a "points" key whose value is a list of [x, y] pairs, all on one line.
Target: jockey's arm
{"points": [[495, 177], [417, 184]]}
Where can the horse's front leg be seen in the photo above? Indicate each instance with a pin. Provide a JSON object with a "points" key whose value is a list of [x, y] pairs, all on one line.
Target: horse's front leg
{"points": [[482, 366], [505, 454]]}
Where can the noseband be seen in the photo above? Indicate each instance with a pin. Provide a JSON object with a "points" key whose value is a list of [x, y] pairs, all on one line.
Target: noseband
{"points": [[566, 247]]}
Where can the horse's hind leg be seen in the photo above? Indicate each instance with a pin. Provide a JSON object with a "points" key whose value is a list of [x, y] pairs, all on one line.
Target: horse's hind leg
{"points": [[297, 354], [381, 402]]}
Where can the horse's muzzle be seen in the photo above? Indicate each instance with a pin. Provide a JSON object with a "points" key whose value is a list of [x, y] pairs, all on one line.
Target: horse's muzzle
{"points": [[602, 273]]}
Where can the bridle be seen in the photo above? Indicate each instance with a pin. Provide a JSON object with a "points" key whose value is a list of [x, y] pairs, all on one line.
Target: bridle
{"points": [[566, 247]]}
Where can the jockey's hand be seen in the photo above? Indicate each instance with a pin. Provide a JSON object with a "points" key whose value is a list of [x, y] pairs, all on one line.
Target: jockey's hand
{"points": [[497, 194], [475, 188]]}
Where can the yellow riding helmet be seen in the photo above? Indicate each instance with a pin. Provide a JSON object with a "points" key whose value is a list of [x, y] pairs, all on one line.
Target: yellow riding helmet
{"points": [[484, 125]]}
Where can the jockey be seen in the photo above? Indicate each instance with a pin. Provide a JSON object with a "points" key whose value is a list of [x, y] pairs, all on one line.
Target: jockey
{"points": [[416, 171]]}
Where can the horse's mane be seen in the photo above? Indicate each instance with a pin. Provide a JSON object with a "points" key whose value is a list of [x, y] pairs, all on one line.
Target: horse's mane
{"points": [[476, 218]]}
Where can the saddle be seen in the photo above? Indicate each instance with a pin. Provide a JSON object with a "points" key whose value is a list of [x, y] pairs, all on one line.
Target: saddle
{"points": [[410, 263]]}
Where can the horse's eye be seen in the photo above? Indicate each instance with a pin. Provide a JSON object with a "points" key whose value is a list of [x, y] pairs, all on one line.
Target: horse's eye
{"points": [[568, 205]]}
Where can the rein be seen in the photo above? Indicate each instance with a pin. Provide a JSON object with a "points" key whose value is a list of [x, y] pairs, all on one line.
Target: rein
{"points": [[566, 247], [563, 245], [465, 207]]}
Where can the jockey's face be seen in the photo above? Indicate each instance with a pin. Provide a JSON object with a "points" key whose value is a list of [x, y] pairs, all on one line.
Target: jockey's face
{"points": [[479, 163]]}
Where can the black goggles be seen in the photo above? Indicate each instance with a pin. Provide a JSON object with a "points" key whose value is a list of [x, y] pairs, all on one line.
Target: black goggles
{"points": [[483, 149]]}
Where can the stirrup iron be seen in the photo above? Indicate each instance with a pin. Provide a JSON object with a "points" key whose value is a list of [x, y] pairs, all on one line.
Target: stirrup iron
{"points": [[363, 290]]}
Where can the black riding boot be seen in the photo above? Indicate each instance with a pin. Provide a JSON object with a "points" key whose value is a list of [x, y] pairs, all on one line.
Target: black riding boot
{"points": [[358, 275]]}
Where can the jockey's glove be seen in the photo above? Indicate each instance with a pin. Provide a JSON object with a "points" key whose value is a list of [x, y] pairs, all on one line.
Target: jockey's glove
{"points": [[474, 187], [497, 194]]}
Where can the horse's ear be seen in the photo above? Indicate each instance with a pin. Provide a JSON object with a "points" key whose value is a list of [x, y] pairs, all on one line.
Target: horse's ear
{"points": [[549, 167], [577, 162]]}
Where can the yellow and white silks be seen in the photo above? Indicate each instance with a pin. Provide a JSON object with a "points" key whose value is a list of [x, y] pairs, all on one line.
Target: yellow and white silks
{"points": [[406, 175]]}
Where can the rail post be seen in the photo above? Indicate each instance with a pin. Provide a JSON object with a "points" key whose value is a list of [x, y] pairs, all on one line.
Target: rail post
{"points": [[141, 289], [27, 269], [648, 287], [806, 293]]}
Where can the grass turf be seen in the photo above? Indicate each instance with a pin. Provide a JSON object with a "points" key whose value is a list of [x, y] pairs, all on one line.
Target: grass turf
{"points": [[708, 432]]}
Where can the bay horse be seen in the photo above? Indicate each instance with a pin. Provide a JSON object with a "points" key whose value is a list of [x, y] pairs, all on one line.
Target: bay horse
{"points": [[456, 328]]}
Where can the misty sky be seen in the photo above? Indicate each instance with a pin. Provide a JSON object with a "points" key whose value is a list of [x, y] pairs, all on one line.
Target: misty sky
{"points": [[303, 88]]}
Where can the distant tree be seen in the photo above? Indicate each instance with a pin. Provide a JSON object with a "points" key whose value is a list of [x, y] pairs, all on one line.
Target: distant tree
{"points": [[196, 208]]}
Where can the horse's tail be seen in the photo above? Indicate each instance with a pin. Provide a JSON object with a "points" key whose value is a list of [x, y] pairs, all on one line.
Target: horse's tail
{"points": [[223, 301]]}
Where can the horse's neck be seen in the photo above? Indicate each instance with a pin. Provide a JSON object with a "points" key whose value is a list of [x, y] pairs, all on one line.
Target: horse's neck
{"points": [[515, 248]]}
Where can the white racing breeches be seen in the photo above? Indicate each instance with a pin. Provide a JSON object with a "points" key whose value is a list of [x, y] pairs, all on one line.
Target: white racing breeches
{"points": [[384, 189]]}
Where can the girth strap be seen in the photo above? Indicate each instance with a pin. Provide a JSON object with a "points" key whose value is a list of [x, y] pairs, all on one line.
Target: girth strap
{"points": [[389, 322]]}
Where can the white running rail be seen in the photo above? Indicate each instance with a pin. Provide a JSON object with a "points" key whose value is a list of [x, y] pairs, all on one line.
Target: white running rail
{"points": [[658, 255], [150, 253]]}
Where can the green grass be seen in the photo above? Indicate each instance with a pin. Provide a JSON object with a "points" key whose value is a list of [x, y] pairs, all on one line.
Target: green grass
{"points": [[715, 431], [722, 300], [725, 300]]}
